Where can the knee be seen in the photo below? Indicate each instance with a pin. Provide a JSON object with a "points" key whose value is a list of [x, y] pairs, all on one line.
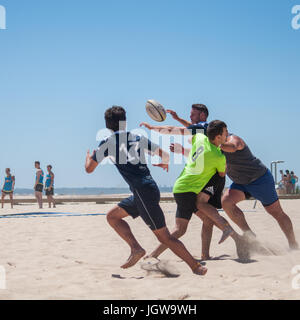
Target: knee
{"points": [[164, 238], [227, 202], [278, 214], [111, 217], [180, 230]]}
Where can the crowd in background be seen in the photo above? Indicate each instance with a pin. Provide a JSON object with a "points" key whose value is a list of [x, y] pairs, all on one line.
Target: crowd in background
{"points": [[10, 180], [288, 182]]}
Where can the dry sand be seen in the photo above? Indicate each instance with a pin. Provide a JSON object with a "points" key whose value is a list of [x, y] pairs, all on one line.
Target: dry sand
{"points": [[78, 257]]}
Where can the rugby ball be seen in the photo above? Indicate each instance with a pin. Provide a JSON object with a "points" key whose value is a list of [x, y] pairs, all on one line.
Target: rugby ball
{"points": [[156, 111]]}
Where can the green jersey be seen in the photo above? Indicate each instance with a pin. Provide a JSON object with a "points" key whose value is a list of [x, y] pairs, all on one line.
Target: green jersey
{"points": [[205, 159]]}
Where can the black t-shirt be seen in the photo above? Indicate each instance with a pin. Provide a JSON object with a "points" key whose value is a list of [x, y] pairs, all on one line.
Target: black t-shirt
{"points": [[127, 151], [200, 127]]}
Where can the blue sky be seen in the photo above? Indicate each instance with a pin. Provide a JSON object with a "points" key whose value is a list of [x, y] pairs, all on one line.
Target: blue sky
{"points": [[62, 63]]}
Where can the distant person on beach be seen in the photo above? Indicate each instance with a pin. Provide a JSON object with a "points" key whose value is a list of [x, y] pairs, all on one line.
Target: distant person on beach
{"points": [[294, 180], [282, 183], [8, 188], [39, 184], [127, 151], [289, 185], [49, 186]]}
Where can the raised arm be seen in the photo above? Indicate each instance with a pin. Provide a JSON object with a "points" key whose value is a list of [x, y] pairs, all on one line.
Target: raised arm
{"points": [[233, 144], [174, 115], [167, 129]]}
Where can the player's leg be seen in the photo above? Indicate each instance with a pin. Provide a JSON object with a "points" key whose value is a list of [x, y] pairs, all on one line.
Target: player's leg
{"points": [[186, 206], [115, 218], [178, 248], [151, 212], [211, 212], [222, 224], [285, 223], [206, 234], [178, 231], [214, 188], [229, 203]]}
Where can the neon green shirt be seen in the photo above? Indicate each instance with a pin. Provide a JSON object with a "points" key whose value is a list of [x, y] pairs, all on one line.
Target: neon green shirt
{"points": [[205, 159]]}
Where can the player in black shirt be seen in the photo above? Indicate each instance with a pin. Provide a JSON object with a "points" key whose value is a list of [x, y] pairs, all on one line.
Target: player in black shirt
{"points": [[127, 152]]}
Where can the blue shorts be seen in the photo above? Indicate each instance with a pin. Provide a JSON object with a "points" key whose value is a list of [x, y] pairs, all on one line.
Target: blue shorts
{"points": [[145, 204], [262, 189]]}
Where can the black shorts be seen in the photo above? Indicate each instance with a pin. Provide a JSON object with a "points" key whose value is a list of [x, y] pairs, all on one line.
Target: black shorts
{"points": [[214, 189], [145, 203], [39, 188], [187, 202], [7, 192], [49, 192]]}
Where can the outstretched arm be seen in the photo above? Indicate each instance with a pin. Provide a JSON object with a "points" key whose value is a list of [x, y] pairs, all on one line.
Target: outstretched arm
{"points": [[174, 115], [179, 149], [167, 129], [233, 144]]}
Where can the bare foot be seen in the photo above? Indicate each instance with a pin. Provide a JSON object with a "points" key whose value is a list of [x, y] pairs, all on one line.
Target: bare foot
{"points": [[226, 233], [294, 246], [199, 270], [134, 258]]}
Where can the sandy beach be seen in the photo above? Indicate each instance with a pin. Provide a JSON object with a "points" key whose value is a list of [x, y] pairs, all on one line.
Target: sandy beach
{"points": [[78, 256]]}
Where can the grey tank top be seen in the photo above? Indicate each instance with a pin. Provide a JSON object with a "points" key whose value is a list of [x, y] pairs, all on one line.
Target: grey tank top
{"points": [[243, 167]]}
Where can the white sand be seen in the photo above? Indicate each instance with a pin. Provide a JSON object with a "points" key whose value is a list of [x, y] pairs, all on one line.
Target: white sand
{"points": [[74, 257]]}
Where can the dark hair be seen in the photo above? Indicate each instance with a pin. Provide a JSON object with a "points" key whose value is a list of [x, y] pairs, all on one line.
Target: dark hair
{"points": [[215, 128], [37, 162], [287, 171], [201, 108], [113, 116], [49, 165], [292, 172]]}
